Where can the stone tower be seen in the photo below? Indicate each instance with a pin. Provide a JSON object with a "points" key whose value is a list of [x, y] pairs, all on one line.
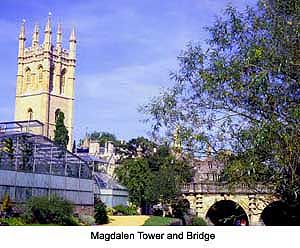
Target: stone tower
{"points": [[45, 79]]}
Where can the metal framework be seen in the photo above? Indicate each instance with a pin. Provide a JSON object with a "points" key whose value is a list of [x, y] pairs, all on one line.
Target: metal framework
{"points": [[27, 152]]}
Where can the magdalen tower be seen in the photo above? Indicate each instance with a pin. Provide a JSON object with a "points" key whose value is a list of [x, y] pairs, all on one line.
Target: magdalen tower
{"points": [[45, 79]]}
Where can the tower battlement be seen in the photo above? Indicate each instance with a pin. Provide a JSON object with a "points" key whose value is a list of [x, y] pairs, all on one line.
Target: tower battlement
{"points": [[45, 78]]}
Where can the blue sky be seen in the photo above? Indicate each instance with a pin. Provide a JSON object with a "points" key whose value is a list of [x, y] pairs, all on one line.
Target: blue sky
{"points": [[125, 51]]}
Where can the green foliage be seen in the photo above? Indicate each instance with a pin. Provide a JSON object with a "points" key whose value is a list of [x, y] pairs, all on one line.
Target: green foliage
{"points": [[100, 212], [125, 210], [13, 221], [26, 148], [159, 221], [44, 210], [155, 178], [6, 204], [86, 220], [242, 94], [8, 148], [130, 148], [180, 208], [198, 221], [61, 136], [136, 175], [103, 137], [110, 211]]}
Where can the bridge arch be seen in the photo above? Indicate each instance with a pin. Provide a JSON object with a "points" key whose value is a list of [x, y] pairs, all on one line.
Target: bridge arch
{"points": [[227, 213], [275, 214]]}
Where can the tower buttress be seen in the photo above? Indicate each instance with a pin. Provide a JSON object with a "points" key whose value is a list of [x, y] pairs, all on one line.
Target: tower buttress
{"points": [[22, 39]]}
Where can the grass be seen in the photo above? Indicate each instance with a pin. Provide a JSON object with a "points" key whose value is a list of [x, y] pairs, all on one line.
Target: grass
{"points": [[159, 221]]}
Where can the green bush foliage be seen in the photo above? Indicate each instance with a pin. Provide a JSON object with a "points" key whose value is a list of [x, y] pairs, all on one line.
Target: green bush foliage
{"points": [[198, 221], [180, 208], [100, 212], [159, 221], [6, 204], [110, 211], [53, 210], [125, 210], [13, 221], [86, 220]]}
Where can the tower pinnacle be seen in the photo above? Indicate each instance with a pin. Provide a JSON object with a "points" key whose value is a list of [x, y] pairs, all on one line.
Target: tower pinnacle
{"points": [[72, 36], [59, 36], [47, 39], [22, 31], [35, 36], [72, 45]]}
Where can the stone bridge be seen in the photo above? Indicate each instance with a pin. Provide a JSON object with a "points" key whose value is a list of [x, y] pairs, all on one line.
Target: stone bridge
{"points": [[205, 198]]}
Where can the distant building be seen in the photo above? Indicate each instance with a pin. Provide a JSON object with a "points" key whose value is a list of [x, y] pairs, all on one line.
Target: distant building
{"points": [[106, 154], [101, 161], [207, 170]]}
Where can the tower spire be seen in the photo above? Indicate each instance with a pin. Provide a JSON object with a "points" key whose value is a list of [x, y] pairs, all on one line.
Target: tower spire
{"points": [[59, 36], [35, 36], [47, 39]]}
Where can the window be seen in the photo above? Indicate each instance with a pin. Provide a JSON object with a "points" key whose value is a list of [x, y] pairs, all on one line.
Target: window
{"points": [[28, 75], [210, 164], [51, 78], [62, 82], [40, 74], [30, 114]]}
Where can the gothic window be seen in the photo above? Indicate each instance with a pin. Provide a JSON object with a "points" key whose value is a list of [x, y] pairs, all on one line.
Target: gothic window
{"points": [[62, 82], [56, 114], [51, 78], [40, 74], [30, 114], [28, 75]]}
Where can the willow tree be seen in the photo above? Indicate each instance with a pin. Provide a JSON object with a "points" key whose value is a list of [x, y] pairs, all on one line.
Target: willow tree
{"points": [[241, 96]]}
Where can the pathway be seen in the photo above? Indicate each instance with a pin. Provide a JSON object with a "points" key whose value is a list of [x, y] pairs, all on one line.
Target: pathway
{"points": [[133, 220]]}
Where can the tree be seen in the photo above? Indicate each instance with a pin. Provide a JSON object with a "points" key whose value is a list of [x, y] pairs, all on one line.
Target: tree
{"points": [[8, 149], [153, 179], [61, 136], [27, 152], [135, 174], [100, 212], [130, 148], [103, 137], [241, 96]]}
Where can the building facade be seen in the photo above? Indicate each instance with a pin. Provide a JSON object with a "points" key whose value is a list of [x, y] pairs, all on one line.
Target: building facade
{"points": [[45, 79]]}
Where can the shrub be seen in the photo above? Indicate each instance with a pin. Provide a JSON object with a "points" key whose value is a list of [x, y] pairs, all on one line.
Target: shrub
{"points": [[180, 208], [100, 212], [110, 211], [160, 221], [6, 205], [125, 210], [198, 221], [12, 221], [53, 210], [86, 219]]}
